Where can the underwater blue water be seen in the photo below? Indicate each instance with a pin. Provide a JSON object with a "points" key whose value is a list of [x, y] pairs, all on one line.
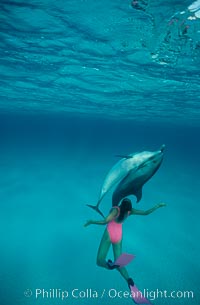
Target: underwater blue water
{"points": [[100, 58], [82, 82], [52, 166]]}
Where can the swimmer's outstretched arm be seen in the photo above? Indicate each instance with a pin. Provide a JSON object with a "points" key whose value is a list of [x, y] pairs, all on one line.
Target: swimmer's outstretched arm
{"points": [[147, 212], [104, 221]]}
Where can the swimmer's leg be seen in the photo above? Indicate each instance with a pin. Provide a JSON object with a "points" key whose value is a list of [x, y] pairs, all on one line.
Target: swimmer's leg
{"points": [[117, 251], [103, 250]]}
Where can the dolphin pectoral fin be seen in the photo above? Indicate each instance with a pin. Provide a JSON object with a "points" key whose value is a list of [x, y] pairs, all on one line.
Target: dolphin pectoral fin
{"points": [[138, 194], [124, 156], [94, 207]]}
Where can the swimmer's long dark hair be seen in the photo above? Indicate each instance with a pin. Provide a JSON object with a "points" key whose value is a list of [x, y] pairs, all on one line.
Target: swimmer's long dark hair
{"points": [[125, 206]]}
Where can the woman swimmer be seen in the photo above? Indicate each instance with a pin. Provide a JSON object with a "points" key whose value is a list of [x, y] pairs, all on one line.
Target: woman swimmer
{"points": [[113, 234]]}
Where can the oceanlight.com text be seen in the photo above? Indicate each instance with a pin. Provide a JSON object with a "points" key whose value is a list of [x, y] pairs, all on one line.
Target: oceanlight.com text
{"points": [[153, 294]]}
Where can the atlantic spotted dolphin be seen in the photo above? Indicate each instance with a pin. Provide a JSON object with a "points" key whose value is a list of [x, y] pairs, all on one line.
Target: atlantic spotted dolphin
{"points": [[131, 163], [132, 184]]}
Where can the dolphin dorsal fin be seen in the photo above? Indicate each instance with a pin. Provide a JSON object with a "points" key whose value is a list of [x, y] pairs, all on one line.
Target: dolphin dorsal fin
{"points": [[124, 156], [138, 194]]}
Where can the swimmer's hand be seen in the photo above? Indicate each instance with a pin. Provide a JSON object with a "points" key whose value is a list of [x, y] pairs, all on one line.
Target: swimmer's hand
{"points": [[162, 204], [89, 222]]}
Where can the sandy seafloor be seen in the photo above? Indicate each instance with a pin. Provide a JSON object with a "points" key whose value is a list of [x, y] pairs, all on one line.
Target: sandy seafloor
{"points": [[50, 167]]}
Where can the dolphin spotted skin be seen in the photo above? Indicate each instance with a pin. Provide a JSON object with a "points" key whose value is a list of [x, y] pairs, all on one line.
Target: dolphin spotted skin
{"points": [[133, 165]]}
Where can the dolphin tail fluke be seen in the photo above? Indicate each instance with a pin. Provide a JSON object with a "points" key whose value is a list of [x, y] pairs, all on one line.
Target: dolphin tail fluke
{"points": [[95, 207]]}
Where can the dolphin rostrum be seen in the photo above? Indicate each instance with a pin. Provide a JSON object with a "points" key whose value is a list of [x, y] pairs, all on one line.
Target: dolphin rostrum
{"points": [[129, 164]]}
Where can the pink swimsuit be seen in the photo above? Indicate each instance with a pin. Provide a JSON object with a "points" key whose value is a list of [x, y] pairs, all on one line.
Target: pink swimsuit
{"points": [[115, 229]]}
